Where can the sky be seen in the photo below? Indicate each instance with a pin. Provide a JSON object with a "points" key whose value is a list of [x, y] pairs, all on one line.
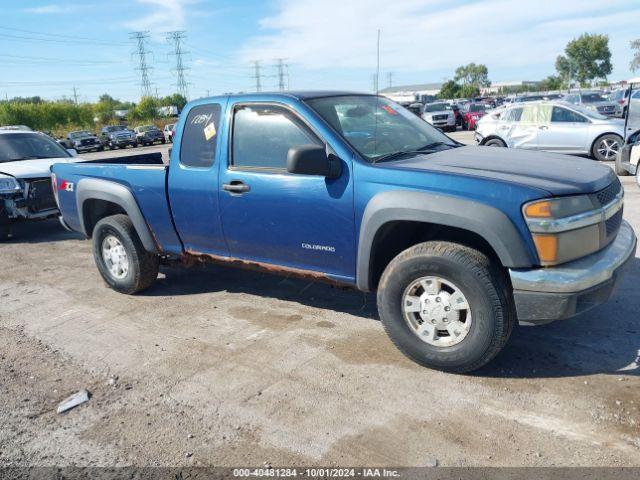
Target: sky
{"points": [[48, 47]]}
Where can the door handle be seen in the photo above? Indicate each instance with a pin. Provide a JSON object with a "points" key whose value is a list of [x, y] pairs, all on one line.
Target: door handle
{"points": [[543, 127], [236, 187]]}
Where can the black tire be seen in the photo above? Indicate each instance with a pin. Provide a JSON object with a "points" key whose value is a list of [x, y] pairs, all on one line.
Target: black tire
{"points": [[142, 265], [619, 169], [595, 153], [495, 142], [5, 223], [481, 282]]}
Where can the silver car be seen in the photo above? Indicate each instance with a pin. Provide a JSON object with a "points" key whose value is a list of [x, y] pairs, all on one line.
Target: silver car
{"points": [[553, 126], [440, 115], [595, 101]]}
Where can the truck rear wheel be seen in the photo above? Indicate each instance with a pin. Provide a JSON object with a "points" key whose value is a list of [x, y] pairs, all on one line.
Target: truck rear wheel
{"points": [[446, 306], [120, 256]]}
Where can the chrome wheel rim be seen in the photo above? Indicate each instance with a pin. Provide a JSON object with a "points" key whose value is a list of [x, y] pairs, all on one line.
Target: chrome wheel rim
{"points": [[115, 257], [436, 311], [608, 148]]}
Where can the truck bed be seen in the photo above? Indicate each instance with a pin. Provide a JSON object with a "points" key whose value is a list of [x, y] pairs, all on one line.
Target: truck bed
{"points": [[143, 175]]}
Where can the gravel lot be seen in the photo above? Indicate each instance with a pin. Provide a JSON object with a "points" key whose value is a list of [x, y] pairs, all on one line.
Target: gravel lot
{"points": [[214, 366]]}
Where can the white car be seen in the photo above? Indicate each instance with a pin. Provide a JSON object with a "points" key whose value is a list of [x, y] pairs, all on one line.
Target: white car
{"points": [[25, 178], [552, 126], [440, 115]]}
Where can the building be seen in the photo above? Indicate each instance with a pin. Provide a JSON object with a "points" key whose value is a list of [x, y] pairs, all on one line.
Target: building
{"points": [[509, 87], [423, 92]]}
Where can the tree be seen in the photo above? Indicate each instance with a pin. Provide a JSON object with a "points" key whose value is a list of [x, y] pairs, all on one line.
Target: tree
{"points": [[474, 75], [105, 108], [173, 100], [635, 62], [585, 58], [450, 89], [552, 82]]}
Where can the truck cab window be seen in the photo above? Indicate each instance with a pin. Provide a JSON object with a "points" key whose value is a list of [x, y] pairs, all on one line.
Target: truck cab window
{"points": [[263, 135], [200, 136]]}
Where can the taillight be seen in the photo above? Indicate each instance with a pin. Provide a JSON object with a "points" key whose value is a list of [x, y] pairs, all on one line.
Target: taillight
{"points": [[54, 187]]}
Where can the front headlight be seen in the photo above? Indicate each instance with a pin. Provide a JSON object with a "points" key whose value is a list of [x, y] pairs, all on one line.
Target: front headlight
{"points": [[564, 228], [77, 143], [9, 185]]}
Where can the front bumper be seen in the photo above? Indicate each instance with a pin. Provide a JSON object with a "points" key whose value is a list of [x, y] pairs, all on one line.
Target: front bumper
{"points": [[86, 148], [543, 295]]}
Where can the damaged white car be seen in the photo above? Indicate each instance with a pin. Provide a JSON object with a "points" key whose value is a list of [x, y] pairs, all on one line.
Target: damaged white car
{"points": [[25, 178], [555, 126]]}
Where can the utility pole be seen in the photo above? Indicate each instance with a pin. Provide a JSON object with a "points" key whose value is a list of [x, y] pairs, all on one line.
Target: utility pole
{"points": [[141, 39], [257, 76], [281, 66], [75, 95], [390, 79], [177, 38]]}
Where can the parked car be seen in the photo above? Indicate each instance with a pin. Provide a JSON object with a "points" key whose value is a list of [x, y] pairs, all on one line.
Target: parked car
{"points": [[169, 131], [440, 115], [459, 242], [554, 127], [415, 108], [82, 141], [527, 98], [25, 185], [16, 127], [149, 135], [471, 113], [117, 136], [628, 159], [621, 99], [595, 101]]}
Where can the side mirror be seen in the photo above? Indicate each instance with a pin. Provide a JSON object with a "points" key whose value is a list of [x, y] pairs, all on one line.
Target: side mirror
{"points": [[313, 160]]}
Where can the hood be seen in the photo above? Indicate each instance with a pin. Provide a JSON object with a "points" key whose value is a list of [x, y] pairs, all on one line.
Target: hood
{"points": [[33, 168], [555, 174]]}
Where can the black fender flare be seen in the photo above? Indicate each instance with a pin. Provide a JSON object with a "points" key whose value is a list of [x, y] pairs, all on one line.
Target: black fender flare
{"points": [[493, 225], [97, 189]]}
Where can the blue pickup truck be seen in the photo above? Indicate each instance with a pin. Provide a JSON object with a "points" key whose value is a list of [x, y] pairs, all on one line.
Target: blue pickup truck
{"points": [[459, 242]]}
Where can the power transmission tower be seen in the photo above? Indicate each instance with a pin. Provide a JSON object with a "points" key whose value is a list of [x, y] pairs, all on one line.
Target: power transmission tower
{"points": [[257, 76], [281, 73], [177, 38], [390, 79], [141, 39]]}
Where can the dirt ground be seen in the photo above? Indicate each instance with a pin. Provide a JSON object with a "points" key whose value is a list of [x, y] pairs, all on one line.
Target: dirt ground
{"points": [[214, 366]]}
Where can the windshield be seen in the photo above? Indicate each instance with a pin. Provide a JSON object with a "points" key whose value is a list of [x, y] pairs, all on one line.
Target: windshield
{"points": [[28, 146], [377, 126], [116, 128], [591, 113], [81, 133], [592, 98], [437, 107], [477, 107]]}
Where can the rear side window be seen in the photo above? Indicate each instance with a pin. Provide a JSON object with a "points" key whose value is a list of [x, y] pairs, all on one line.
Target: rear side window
{"points": [[563, 115], [263, 135], [200, 136], [512, 115]]}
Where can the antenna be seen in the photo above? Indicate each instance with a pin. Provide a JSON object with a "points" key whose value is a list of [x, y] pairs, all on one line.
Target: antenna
{"points": [[177, 38], [378, 64], [141, 38]]}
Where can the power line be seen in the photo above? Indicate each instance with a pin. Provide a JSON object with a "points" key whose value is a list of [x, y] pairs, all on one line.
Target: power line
{"points": [[257, 76], [141, 38], [57, 35], [177, 38]]}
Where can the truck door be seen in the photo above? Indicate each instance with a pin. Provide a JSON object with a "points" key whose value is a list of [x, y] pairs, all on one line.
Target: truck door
{"points": [[193, 180], [272, 216]]}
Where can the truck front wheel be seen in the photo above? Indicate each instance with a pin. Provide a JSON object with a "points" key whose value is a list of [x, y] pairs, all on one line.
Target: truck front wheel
{"points": [[446, 306], [120, 256]]}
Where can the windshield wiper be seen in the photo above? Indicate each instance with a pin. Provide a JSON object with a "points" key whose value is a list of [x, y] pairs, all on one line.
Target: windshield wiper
{"points": [[432, 145], [394, 155]]}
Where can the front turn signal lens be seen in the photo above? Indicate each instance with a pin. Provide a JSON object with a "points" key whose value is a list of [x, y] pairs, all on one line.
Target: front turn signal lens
{"points": [[540, 209], [547, 247]]}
